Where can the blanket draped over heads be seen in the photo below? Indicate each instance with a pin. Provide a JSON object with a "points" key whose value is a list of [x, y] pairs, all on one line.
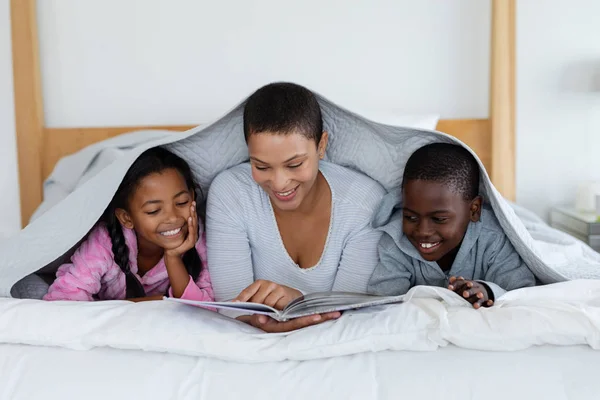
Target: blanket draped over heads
{"points": [[377, 150]]}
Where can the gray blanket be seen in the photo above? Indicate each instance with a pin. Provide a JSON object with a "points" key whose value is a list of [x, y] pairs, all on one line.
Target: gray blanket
{"points": [[374, 149]]}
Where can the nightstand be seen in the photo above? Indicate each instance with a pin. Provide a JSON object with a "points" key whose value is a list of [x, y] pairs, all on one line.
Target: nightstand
{"points": [[583, 226]]}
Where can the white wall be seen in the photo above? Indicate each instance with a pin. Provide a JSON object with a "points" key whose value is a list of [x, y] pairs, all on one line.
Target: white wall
{"points": [[186, 61], [10, 220], [150, 61], [558, 117], [120, 62]]}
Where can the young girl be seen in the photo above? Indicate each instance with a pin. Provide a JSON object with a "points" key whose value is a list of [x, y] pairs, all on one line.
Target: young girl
{"points": [[148, 243]]}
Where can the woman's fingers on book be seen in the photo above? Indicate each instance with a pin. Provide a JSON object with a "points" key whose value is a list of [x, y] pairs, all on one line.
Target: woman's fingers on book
{"points": [[331, 315], [268, 293], [244, 318], [281, 296], [282, 303], [249, 292], [270, 325], [276, 299], [261, 290]]}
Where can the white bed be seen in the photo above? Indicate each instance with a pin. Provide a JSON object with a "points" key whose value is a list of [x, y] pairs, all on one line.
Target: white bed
{"points": [[450, 373], [536, 343]]}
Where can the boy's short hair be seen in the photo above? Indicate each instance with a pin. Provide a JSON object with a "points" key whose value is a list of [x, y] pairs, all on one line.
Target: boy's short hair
{"points": [[284, 108], [446, 163]]}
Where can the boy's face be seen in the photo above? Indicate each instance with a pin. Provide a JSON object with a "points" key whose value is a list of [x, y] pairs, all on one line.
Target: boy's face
{"points": [[435, 218]]}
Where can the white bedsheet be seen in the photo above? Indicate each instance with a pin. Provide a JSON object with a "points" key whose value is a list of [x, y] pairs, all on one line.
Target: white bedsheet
{"points": [[549, 373], [561, 314]]}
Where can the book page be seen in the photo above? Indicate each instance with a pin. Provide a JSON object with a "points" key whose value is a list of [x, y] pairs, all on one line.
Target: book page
{"points": [[318, 303], [329, 299], [310, 304], [254, 308]]}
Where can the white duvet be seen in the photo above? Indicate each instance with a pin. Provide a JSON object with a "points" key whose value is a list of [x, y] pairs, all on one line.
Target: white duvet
{"points": [[559, 314], [548, 372]]}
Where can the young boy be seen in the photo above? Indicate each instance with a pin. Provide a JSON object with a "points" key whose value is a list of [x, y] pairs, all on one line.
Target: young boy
{"points": [[443, 236]]}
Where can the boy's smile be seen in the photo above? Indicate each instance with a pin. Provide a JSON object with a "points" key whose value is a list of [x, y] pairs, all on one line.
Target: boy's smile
{"points": [[435, 219]]}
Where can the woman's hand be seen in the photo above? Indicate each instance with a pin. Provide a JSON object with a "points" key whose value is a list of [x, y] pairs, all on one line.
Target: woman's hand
{"points": [[191, 238], [270, 325], [268, 293]]}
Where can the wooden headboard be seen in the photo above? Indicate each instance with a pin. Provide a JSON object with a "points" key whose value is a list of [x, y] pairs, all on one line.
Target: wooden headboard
{"points": [[39, 147]]}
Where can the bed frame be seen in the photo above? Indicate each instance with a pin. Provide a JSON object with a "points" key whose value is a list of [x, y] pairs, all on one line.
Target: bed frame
{"points": [[39, 147]]}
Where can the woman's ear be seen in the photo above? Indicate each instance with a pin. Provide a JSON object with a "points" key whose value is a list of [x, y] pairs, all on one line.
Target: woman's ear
{"points": [[476, 208], [124, 218], [322, 146]]}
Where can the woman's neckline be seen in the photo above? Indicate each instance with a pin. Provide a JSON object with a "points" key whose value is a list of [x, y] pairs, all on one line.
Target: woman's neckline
{"points": [[280, 239]]}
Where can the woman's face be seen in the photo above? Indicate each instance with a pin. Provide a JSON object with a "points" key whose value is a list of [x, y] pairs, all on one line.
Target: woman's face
{"points": [[286, 166]]}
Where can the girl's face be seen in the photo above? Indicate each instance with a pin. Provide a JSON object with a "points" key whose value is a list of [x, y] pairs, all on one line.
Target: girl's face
{"points": [[158, 210], [286, 166]]}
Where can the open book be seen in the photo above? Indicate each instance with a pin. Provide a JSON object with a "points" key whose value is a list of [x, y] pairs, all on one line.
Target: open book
{"points": [[314, 303]]}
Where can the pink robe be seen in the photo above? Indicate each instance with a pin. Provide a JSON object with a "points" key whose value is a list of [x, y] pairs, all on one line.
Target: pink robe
{"points": [[93, 274]]}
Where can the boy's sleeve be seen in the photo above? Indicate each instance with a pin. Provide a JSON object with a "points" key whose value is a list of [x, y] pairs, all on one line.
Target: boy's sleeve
{"points": [[393, 274], [506, 269]]}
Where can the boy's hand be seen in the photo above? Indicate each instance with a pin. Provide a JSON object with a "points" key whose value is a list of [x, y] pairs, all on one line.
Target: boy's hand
{"points": [[192, 235], [474, 292]]}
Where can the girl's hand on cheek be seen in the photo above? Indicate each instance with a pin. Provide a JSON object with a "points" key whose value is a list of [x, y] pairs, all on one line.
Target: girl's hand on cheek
{"points": [[191, 238]]}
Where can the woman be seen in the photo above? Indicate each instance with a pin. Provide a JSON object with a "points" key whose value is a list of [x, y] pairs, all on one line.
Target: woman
{"points": [[287, 223]]}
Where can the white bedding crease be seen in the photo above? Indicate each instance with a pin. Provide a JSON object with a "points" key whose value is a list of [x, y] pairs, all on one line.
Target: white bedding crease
{"points": [[560, 314]]}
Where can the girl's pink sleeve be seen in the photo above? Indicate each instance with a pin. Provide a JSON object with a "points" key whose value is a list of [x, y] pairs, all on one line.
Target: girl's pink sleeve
{"points": [[201, 290], [81, 279]]}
